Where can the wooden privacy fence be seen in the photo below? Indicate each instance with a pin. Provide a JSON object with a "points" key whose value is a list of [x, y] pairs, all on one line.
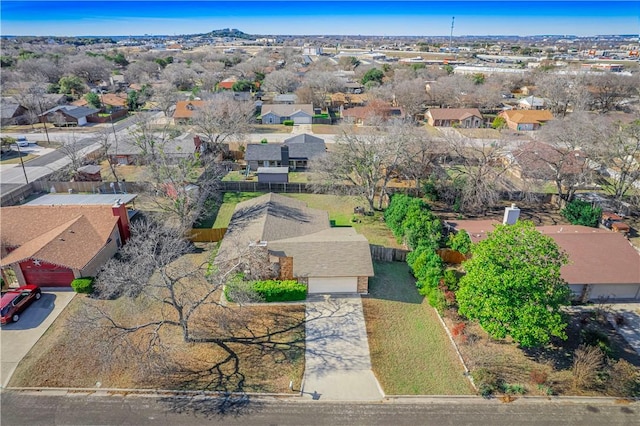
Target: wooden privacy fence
{"points": [[387, 254], [206, 235]]}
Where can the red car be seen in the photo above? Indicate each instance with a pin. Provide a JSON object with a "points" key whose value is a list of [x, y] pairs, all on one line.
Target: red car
{"points": [[16, 300]]}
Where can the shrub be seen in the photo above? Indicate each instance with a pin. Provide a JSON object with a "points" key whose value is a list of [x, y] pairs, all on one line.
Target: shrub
{"points": [[264, 140], [580, 212], [460, 242], [594, 337], [513, 389], [538, 376], [451, 280], [624, 380], [587, 365], [458, 329], [83, 285], [485, 380], [280, 291], [288, 122]]}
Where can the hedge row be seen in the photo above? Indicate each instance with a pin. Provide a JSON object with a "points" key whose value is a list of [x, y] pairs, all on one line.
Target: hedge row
{"points": [[266, 291], [280, 291], [83, 285]]}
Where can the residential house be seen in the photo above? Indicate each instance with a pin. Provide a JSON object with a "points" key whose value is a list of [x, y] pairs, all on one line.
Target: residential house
{"points": [[372, 111], [126, 151], [541, 161], [108, 100], [185, 110], [348, 100], [602, 264], [278, 113], [68, 115], [531, 102], [454, 117], [296, 153], [285, 98], [301, 242], [227, 83], [11, 112], [520, 120], [118, 82], [50, 245]]}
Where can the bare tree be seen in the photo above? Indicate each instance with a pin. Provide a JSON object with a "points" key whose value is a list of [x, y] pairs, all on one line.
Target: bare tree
{"points": [[221, 118], [320, 84], [165, 97], [149, 137], [181, 76], [106, 141], [620, 157], [71, 148], [450, 91], [477, 172], [569, 143], [281, 81], [411, 96], [561, 92], [90, 69], [156, 268], [610, 90], [365, 163]]}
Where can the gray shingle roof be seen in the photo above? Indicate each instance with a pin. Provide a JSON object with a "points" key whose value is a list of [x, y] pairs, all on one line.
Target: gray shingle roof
{"points": [[291, 228], [73, 111], [263, 151], [286, 110]]}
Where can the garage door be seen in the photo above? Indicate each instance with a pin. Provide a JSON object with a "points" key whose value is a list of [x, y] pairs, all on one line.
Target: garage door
{"points": [[615, 292], [56, 277], [333, 285]]}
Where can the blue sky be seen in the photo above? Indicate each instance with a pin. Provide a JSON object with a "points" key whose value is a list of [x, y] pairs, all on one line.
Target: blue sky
{"points": [[427, 18]]}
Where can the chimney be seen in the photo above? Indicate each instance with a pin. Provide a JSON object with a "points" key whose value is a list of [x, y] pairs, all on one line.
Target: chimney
{"points": [[511, 215], [284, 156], [120, 211]]}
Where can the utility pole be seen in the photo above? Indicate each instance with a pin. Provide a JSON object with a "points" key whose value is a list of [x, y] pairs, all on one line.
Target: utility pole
{"points": [[451, 35], [22, 163]]}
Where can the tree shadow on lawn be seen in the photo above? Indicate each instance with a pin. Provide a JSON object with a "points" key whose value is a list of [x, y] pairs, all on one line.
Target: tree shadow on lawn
{"points": [[394, 281]]}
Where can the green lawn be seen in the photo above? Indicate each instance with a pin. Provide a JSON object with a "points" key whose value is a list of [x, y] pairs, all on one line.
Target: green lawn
{"points": [[340, 210], [410, 351]]}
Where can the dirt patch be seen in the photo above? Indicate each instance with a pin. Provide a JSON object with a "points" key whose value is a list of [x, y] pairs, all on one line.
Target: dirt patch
{"points": [[544, 371]]}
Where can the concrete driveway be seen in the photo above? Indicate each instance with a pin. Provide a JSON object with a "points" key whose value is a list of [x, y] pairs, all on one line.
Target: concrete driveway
{"points": [[17, 339], [630, 328], [337, 360]]}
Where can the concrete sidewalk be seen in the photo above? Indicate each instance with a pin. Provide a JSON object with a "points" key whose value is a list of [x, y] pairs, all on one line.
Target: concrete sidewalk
{"points": [[337, 360]]}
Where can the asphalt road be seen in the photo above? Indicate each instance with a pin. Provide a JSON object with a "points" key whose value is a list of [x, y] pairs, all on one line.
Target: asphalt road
{"points": [[81, 409]]}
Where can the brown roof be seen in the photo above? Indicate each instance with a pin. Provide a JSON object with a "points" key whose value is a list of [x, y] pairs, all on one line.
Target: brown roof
{"points": [[453, 113], [537, 158], [596, 256], [373, 109], [186, 109], [528, 116], [62, 235]]}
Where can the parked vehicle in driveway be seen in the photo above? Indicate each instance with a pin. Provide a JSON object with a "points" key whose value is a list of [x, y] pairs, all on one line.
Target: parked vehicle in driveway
{"points": [[15, 301], [22, 141]]}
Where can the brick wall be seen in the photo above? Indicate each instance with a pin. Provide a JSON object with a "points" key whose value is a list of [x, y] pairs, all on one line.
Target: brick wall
{"points": [[363, 284], [286, 268]]}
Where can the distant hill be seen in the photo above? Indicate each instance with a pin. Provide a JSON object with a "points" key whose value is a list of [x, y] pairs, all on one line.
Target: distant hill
{"points": [[227, 32]]}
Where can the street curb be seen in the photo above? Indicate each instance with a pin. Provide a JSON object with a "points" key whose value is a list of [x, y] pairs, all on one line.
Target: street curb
{"points": [[297, 397]]}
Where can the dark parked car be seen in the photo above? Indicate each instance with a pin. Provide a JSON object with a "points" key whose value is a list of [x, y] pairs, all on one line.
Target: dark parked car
{"points": [[16, 300]]}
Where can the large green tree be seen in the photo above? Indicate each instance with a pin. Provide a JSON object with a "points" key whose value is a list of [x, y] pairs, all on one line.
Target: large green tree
{"points": [[513, 286], [374, 74]]}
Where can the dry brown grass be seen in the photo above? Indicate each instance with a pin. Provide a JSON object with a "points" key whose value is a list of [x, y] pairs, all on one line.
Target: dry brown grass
{"points": [[77, 353], [540, 371]]}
